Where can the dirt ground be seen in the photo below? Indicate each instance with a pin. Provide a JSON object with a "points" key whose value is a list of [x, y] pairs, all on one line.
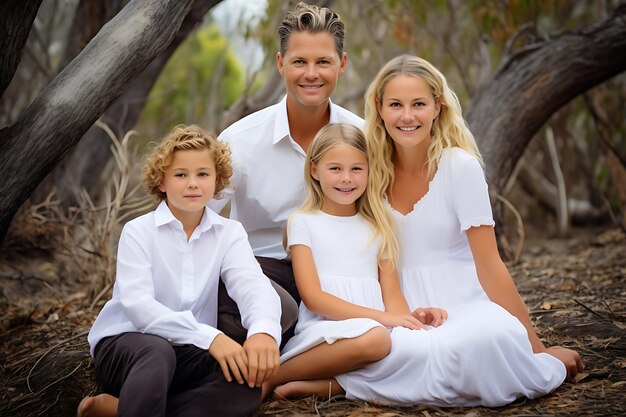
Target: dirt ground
{"points": [[574, 289]]}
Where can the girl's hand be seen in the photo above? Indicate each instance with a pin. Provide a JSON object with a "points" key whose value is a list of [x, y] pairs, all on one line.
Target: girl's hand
{"points": [[401, 320], [431, 315], [231, 356]]}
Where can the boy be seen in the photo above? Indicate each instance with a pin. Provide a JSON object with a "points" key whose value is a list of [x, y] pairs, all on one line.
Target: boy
{"points": [[155, 343]]}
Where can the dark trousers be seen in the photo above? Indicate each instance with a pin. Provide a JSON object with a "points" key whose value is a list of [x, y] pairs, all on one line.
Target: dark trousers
{"points": [[281, 276], [151, 377]]}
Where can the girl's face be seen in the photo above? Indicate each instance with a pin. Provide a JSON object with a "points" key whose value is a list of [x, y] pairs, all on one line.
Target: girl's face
{"points": [[342, 174], [408, 110]]}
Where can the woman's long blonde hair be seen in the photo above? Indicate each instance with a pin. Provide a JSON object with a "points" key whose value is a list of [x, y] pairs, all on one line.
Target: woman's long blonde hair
{"points": [[371, 204], [449, 128]]}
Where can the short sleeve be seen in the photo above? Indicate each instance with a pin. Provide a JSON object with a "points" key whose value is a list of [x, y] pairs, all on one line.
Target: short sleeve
{"points": [[470, 195], [298, 231]]}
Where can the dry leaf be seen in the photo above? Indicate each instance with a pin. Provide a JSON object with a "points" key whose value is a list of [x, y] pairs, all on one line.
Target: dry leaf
{"points": [[580, 376]]}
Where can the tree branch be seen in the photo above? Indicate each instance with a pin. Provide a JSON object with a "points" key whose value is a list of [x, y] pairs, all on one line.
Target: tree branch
{"points": [[16, 19], [535, 83], [60, 115]]}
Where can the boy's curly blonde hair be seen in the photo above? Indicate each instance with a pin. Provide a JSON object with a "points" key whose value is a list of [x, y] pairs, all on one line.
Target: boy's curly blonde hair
{"points": [[185, 138]]}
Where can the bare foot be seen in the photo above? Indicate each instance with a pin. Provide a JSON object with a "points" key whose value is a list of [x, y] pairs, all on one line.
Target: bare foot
{"points": [[103, 405], [324, 388]]}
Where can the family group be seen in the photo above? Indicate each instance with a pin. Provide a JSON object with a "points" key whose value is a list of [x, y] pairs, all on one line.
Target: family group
{"points": [[359, 258]]}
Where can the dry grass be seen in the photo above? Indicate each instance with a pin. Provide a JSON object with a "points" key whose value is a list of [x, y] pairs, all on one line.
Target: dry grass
{"points": [[81, 242]]}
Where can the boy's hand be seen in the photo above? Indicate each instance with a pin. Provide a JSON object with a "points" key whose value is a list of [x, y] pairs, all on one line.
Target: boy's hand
{"points": [[231, 356], [263, 358], [431, 316]]}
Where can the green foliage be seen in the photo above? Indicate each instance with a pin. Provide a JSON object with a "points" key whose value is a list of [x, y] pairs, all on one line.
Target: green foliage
{"points": [[200, 80]]}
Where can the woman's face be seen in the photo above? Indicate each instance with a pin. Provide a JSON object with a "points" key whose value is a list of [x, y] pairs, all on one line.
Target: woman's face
{"points": [[408, 110]]}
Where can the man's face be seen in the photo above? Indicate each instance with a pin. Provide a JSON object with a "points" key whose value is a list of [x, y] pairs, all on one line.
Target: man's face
{"points": [[310, 68]]}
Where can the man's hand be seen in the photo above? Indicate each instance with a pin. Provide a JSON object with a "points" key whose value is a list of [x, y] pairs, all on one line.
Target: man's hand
{"points": [[231, 356], [263, 358], [570, 358], [431, 315]]}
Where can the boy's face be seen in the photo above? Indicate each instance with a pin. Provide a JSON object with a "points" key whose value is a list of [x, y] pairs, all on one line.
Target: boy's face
{"points": [[189, 183], [310, 67]]}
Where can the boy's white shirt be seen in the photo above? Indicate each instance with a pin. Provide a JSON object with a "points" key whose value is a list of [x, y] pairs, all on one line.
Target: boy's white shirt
{"points": [[167, 286], [267, 185]]}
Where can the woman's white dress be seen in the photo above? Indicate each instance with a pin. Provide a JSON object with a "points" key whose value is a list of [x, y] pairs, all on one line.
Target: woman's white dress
{"points": [[345, 258], [481, 355]]}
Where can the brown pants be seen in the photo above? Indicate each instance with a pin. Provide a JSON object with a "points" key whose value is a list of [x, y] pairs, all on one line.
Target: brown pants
{"points": [[281, 276], [151, 377]]}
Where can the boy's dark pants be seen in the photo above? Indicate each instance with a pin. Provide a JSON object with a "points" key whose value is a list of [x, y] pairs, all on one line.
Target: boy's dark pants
{"points": [[281, 276], [153, 378]]}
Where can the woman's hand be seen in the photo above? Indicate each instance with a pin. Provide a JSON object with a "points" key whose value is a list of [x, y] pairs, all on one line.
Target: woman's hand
{"points": [[570, 358], [431, 316]]}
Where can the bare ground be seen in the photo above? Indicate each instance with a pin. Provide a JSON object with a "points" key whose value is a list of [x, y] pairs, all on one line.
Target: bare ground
{"points": [[574, 289]]}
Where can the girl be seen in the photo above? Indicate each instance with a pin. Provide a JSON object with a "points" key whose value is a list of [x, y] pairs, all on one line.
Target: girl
{"points": [[487, 352], [343, 250]]}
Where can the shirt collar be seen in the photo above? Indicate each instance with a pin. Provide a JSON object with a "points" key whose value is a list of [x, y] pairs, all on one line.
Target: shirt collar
{"points": [[163, 215], [281, 121]]}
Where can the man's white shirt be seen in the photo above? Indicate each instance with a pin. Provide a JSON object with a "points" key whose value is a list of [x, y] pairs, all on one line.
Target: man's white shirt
{"points": [[268, 174]]}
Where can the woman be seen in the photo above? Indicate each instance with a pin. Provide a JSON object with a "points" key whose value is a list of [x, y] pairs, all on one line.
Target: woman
{"points": [[487, 352]]}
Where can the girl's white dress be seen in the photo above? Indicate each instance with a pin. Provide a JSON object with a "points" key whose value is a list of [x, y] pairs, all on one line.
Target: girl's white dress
{"points": [[481, 355], [345, 257]]}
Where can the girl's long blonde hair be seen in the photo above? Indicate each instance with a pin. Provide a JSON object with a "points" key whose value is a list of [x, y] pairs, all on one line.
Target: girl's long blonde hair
{"points": [[449, 128], [370, 205]]}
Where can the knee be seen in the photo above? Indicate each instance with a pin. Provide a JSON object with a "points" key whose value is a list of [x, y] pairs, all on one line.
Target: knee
{"points": [[156, 356], [374, 345], [289, 309]]}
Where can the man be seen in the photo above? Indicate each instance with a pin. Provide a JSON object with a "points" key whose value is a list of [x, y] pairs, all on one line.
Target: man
{"points": [[269, 147]]}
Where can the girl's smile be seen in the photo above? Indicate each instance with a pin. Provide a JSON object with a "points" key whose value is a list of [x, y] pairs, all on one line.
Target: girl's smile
{"points": [[342, 174]]}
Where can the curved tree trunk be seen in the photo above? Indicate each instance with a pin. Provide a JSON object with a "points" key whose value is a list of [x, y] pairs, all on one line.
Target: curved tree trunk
{"points": [[531, 86], [535, 83], [16, 19], [64, 111], [83, 166]]}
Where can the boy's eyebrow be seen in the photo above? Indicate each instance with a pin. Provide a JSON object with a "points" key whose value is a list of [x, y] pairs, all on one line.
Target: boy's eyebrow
{"points": [[188, 169]]}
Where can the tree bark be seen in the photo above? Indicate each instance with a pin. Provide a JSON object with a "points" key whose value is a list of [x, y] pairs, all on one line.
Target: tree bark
{"points": [[16, 19], [535, 83], [83, 166], [90, 16], [64, 111]]}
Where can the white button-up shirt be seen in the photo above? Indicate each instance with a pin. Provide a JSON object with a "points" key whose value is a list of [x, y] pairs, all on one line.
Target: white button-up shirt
{"points": [[167, 286], [268, 174]]}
